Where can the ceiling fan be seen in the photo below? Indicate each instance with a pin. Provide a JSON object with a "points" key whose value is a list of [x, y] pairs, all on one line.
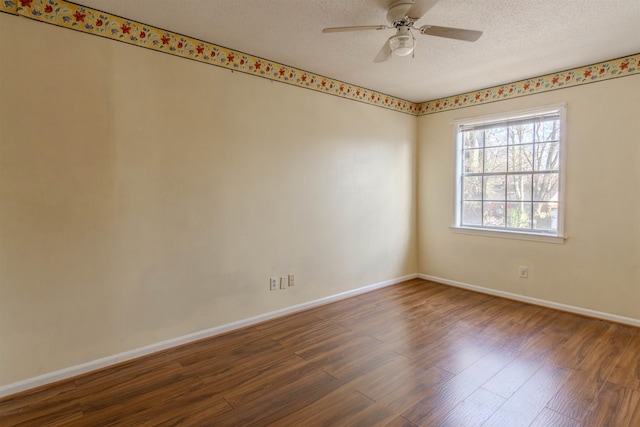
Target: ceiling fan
{"points": [[402, 15]]}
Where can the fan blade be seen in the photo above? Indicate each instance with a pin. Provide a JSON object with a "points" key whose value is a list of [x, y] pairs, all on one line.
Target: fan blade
{"points": [[451, 33], [420, 7], [356, 28], [385, 52]]}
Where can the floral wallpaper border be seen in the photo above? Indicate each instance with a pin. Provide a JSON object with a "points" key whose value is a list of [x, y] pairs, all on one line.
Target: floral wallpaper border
{"points": [[607, 70], [76, 17]]}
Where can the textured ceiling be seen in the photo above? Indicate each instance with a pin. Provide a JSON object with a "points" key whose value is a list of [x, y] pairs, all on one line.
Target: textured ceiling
{"points": [[522, 38]]}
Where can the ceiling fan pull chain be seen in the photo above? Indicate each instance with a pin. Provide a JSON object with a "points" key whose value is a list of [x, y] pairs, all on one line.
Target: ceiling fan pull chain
{"points": [[413, 52]]}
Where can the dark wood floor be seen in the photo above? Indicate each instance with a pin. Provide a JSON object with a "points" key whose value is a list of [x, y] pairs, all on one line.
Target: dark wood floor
{"points": [[413, 354]]}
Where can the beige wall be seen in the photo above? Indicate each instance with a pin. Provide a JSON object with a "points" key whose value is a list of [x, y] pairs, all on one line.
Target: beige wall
{"points": [[598, 268], [144, 197]]}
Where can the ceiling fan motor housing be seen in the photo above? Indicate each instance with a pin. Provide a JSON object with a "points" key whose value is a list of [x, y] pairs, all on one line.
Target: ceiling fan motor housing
{"points": [[398, 11]]}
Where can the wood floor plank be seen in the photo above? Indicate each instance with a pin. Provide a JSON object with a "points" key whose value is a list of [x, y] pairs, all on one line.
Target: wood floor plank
{"points": [[488, 313], [400, 422], [234, 374], [244, 388], [443, 399], [474, 410], [329, 335], [41, 396], [414, 296], [582, 387], [412, 354], [446, 348], [291, 321], [520, 321], [349, 358], [384, 328], [54, 405], [411, 335], [627, 371], [450, 307], [565, 323], [229, 352], [270, 408], [342, 309], [579, 345], [615, 406], [122, 411], [522, 408], [400, 384], [196, 408], [541, 344], [56, 418], [465, 355], [220, 370], [347, 408], [549, 418], [513, 376], [103, 392], [293, 328]]}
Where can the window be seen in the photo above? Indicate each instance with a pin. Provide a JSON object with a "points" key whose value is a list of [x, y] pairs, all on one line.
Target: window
{"points": [[509, 174]]}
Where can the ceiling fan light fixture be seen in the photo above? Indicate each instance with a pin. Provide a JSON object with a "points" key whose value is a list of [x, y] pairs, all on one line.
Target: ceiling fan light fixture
{"points": [[402, 44]]}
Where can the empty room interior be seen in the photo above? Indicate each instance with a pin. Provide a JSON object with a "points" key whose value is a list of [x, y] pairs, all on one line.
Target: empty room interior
{"points": [[261, 213]]}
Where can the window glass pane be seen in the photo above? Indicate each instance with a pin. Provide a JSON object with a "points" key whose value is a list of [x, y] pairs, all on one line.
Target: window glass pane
{"points": [[472, 188], [547, 156], [521, 158], [521, 134], [493, 215], [548, 130], [495, 159], [472, 139], [545, 216], [471, 213], [495, 136], [472, 161], [519, 187], [519, 215], [509, 171], [494, 187], [545, 187]]}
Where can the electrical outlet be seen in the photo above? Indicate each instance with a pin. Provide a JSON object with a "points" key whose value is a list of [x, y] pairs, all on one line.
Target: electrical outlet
{"points": [[284, 282], [292, 280], [523, 271], [273, 283]]}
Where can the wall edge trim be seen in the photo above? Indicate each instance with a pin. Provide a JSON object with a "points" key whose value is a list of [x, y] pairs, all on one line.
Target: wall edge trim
{"points": [[10, 7], [535, 301], [93, 365], [73, 16], [84, 19], [593, 73]]}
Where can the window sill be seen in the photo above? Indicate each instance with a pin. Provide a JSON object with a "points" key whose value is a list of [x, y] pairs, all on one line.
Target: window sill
{"points": [[533, 237]]}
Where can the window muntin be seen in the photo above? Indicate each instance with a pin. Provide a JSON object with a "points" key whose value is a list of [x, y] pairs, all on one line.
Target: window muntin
{"points": [[509, 173]]}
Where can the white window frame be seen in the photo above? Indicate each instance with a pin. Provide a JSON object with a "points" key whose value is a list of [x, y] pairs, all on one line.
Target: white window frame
{"points": [[524, 234]]}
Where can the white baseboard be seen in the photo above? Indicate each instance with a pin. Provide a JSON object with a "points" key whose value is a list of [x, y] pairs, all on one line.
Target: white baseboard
{"points": [[536, 301], [93, 365]]}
